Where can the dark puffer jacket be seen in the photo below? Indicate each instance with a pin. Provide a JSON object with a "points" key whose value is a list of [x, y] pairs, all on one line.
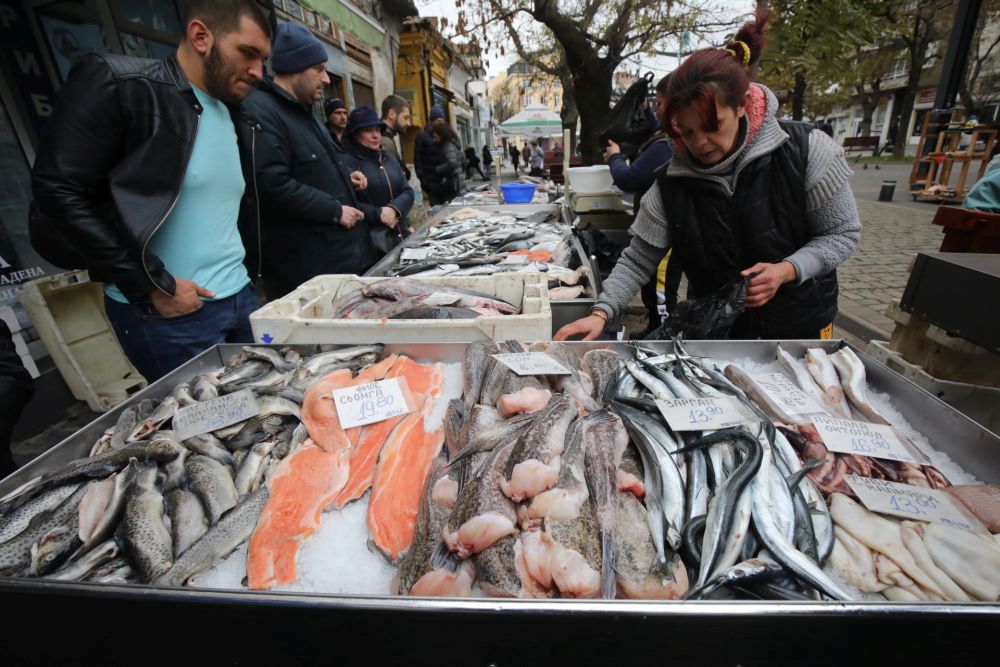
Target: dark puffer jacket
{"points": [[304, 179], [426, 158], [387, 186], [451, 170]]}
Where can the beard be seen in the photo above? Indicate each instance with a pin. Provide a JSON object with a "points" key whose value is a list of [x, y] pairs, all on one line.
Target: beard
{"points": [[218, 75]]}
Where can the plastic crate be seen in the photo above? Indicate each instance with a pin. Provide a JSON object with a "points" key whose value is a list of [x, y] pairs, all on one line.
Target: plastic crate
{"points": [[306, 315], [67, 311]]}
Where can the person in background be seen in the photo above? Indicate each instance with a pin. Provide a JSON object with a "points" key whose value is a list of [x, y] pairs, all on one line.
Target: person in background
{"points": [[144, 177], [451, 171], [985, 194], [16, 388], [313, 223], [427, 158], [487, 162], [335, 112], [472, 163], [744, 196], [526, 155], [515, 157], [537, 160], [388, 189], [395, 122], [637, 178]]}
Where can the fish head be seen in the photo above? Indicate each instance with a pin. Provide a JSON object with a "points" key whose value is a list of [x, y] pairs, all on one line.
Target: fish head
{"points": [[50, 550], [164, 450]]}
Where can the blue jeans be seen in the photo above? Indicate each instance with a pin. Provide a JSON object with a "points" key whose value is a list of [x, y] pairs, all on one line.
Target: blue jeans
{"points": [[157, 345]]}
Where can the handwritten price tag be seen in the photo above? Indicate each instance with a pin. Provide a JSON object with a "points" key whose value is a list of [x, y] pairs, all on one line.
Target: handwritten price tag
{"points": [[913, 502], [414, 254], [372, 402], [532, 363], [214, 414], [786, 394], [853, 437], [703, 414]]}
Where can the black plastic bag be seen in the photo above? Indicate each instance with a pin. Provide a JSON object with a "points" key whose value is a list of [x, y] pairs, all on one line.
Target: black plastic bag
{"points": [[627, 124], [707, 318]]}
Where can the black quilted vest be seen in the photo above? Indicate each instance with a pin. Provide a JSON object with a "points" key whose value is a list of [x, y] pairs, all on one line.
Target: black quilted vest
{"points": [[716, 236]]}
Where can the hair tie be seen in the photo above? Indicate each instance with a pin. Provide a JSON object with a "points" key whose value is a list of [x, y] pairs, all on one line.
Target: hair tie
{"points": [[731, 52], [746, 51]]}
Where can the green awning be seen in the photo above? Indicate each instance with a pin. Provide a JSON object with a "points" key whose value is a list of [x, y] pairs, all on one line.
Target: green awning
{"points": [[347, 20]]}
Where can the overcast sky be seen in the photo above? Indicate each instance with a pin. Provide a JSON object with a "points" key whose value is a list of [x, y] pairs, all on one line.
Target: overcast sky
{"points": [[724, 9]]}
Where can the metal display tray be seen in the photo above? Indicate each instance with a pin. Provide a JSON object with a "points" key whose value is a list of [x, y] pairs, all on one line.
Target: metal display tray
{"points": [[58, 621], [563, 312]]}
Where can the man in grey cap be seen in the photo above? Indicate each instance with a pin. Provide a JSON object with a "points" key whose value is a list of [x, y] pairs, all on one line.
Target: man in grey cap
{"points": [[312, 222]]}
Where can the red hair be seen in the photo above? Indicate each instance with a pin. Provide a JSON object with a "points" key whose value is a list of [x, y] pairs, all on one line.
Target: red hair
{"points": [[711, 76]]}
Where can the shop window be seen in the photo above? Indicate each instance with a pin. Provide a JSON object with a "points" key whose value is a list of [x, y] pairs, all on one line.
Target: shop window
{"points": [[72, 29], [363, 94], [147, 28]]}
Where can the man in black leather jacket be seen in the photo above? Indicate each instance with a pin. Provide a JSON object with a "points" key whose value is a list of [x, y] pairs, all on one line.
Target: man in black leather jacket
{"points": [[16, 388], [126, 186], [312, 222]]}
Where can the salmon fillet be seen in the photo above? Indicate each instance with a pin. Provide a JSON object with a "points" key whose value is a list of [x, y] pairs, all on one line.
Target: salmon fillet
{"points": [[403, 465], [305, 482]]}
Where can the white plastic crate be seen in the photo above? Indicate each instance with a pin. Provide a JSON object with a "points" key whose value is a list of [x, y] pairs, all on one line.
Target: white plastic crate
{"points": [[67, 311], [306, 315]]}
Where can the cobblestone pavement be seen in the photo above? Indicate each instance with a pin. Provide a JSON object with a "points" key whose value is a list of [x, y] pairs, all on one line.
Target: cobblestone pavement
{"points": [[892, 234]]}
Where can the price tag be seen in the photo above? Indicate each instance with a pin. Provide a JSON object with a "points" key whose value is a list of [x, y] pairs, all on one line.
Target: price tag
{"points": [[914, 502], [414, 254], [854, 437], [372, 402], [532, 363], [214, 414], [785, 393], [703, 414], [515, 259]]}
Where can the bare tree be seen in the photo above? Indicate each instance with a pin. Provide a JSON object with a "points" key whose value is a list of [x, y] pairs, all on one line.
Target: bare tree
{"points": [[979, 78]]}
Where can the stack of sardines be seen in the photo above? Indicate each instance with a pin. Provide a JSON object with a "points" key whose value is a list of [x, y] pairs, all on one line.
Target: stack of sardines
{"points": [[542, 495], [146, 506], [474, 242], [406, 299]]}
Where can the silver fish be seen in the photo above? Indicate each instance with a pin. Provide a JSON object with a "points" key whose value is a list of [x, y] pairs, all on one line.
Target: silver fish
{"points": [[317, 361], [204, 388], [163, 412], [242, 373], [182, 394], [213, 483], [276, 405], [15, 553], [144, 530], [271, 356], [18, 520], [250, 468], [187, 519], [128, 420], [221, 539], [208, 445]]}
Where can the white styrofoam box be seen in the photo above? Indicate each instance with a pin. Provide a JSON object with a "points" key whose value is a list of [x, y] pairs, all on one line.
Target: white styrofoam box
{"points": [[67, 311], [8, 315], [590, 180], [306, 315], [19, 345]]}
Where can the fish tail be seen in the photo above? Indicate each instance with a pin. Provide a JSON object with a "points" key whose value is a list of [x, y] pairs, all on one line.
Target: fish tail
{"points": [[442, 559]]}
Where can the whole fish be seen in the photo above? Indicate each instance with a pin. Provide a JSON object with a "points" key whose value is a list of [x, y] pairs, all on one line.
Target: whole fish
{"points": [[802, 377], [852, 376], [187, 519], [111, 512], [128, 421], [205, 388], [182, 394], [163, 412], [752, 571], [18, 520], [250, 467], [245, 371], [78, 570], [825, 374], [292, 394], [54, 547], [144, 531], [605, 440], [221, 540], [317, 361], [213, 483], [15, 553], [208, 445], [603, 367], [100, 465], [173, 471], [269, 355], [276, 405]]}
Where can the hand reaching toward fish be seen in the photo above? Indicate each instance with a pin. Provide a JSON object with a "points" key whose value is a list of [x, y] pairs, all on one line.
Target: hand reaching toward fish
{"points": [[359, 180], [769, 278], [590, 326]]}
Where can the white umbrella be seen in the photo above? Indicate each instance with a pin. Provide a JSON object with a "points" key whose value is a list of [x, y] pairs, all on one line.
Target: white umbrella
{"points": [[534, 121]]}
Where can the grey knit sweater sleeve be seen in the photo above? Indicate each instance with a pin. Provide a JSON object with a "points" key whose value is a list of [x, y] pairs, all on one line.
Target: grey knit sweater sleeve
{"points": [[832, 220]]}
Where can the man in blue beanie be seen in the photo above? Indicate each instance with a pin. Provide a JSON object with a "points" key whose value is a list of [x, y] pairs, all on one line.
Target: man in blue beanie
{"points": [[427, 157], [311, 217]]}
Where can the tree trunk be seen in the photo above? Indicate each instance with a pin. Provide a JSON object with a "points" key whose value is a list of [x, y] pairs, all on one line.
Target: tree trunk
{"points": [[592, 83], [902, 138], [799, 96], [569, 113]]}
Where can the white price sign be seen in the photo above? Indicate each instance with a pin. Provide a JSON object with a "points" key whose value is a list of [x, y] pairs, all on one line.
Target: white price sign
{"points": [[414, 254], [214, 414], [515, 259], [532, 363], [786, 394], [372, 402], [864, 439], [913, 502], [703, 414]]}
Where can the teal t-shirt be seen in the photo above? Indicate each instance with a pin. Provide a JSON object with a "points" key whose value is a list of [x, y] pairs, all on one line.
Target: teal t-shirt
{"points": [[985, 194], [199, 239]]}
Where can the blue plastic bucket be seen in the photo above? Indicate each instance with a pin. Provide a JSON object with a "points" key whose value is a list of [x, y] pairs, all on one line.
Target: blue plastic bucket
{"points": [[518, 193]]}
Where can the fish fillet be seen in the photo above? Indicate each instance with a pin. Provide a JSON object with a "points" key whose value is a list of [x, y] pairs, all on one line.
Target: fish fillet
{"points": [[403, 466]]}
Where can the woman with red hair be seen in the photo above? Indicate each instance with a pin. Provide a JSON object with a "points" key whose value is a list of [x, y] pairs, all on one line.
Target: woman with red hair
{"points": [[743, 194]]}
